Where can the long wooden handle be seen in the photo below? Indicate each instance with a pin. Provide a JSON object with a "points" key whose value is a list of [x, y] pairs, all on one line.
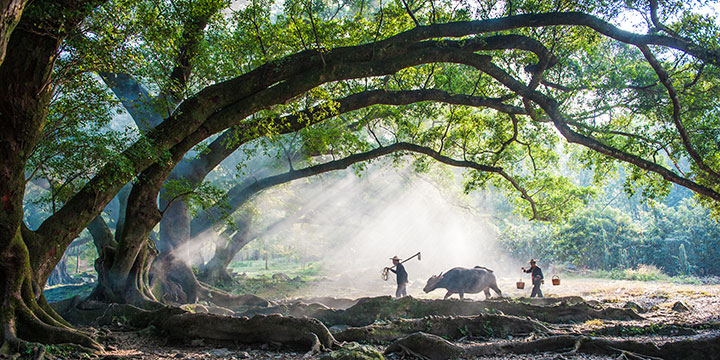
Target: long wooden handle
{"points": [[418, 254]]}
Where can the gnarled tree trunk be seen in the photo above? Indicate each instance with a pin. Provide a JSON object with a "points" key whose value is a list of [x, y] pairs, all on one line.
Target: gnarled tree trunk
{"points": [[26, 258], [215, 271], [60, 274]]}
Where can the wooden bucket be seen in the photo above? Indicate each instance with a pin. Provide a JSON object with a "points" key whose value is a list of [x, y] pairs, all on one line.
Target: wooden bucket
{"points": [[520, 284], [556, 280]]}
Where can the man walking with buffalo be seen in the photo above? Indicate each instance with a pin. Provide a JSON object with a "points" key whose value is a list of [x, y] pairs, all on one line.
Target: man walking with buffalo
{"points": [[537, 278]]}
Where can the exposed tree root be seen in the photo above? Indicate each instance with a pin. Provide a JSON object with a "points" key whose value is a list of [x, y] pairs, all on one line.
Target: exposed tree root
{"points": [[304, 333], [95, 313], [17, 347], [30, 327], [547, 301], [354, 351], [230, 301], [634, 330], [452, 327], [426, 346], [437, 348], [330, 302], [368, 310], [207, 309]]}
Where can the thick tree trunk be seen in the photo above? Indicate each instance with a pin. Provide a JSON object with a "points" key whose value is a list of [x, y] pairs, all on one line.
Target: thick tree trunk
{"points": [[25, 313], [171, 274], [132, 287], [141, 214], [60, 274], [215, 271], [10, 12], [27, 259], [173, 281]]}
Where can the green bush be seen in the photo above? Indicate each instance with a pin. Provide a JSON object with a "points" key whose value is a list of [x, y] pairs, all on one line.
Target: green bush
{"points": [[312, 269], [643, 273]]}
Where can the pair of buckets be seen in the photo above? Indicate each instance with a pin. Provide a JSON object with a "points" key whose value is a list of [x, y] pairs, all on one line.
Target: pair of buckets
{"points": [[555, 281]]}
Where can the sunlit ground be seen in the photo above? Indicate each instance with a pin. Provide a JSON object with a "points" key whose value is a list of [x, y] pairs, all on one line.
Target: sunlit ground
{"points": [[656, 296]]}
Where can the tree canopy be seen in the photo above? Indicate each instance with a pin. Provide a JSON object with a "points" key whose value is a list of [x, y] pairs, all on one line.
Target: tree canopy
{"points": [[508, 89]]}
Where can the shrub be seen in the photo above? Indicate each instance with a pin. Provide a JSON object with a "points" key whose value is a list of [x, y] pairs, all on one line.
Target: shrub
{"points": [[644, 273]]}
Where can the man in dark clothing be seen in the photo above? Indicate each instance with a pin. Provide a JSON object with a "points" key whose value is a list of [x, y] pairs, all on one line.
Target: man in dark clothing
{"points": [[537, 278], [402, 277]]}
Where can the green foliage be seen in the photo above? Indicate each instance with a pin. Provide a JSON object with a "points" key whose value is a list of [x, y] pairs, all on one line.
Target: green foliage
{"points": [[62, 292], [198, 197], [637, 243], [77, 141]]}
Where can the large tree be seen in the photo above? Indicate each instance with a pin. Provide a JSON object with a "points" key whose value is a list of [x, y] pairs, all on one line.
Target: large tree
{"points": [[655, 107]]}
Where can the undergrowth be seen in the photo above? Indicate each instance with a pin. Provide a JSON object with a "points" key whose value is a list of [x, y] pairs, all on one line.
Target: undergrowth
{"points": [[644, 273]]}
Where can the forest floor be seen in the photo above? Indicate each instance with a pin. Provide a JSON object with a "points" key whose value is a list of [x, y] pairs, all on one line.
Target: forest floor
{"points": [[662, 321]]}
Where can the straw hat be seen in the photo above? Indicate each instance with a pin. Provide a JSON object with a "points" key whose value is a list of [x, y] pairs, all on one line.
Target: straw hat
{"points": [[532, 261], [395, 258]]}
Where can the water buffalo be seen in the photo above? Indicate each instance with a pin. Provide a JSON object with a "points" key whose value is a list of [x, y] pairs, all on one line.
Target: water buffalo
{"points": [[464, 281]]}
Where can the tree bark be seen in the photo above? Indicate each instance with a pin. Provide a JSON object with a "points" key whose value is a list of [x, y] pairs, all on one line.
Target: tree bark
{"points": [[60, 274], [127, 271], [215, 270], [10, 12], [27, 259]]}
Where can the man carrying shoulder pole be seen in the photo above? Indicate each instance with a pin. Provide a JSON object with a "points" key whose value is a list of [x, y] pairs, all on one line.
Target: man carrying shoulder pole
{"points": [[537, 278], [402, 276]]}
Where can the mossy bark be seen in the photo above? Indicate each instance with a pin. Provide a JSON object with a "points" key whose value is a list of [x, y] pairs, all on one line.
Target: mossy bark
{"points": [[27, 258], [25, 315]]}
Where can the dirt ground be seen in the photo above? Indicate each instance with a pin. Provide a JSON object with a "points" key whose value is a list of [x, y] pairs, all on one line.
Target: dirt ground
{"points": [[658, 298]]}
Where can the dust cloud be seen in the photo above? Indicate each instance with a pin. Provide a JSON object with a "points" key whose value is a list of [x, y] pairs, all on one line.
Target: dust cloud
{"points": [[353, 224]]}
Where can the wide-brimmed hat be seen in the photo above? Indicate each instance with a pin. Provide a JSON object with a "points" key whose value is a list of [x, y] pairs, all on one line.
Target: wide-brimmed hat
{"points": [[395, 258], [532, 261]]}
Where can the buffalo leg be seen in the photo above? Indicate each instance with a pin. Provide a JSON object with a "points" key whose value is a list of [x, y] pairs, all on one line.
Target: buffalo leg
{"points": [[462, 294], [496, 289], [487, 293], [447, 295]]}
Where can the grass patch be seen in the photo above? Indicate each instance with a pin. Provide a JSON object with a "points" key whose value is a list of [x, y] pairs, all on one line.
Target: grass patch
{"points": [[644, 273], [283, 277], [265, 286], [62, 292], [286, 265]]}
